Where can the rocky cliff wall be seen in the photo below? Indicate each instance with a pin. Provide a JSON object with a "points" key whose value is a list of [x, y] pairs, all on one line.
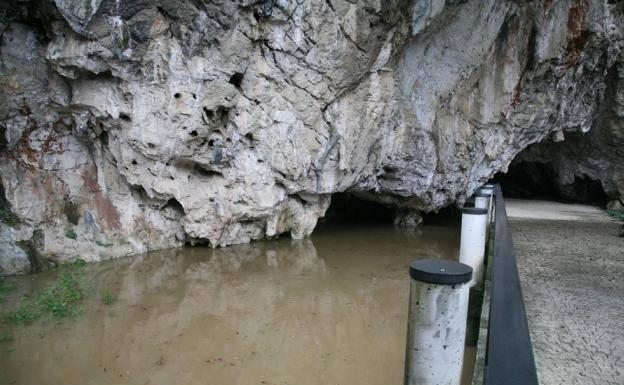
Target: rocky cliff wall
{"points": [[584, 166], [135, 125]]}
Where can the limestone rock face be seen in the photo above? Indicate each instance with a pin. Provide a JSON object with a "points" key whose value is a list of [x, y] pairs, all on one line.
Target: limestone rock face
{"points": [[137, 125], [597, 155]]}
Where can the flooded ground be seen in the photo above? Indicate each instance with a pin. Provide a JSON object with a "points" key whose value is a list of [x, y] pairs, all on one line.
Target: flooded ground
{"points": [[328, 310]]}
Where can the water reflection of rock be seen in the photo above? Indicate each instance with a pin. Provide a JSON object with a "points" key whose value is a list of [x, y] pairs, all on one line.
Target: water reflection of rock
{"points": [[277, 299], [283, 311], [172, 268]]}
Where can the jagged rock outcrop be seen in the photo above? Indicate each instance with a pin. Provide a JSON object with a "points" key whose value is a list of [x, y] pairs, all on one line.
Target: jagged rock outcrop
{"points": [[135, 125], [581, 165]]}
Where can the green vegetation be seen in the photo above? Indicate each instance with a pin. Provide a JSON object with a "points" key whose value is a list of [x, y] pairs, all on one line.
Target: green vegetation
{"points": [[71, 210], [615, 213], [103, 244], [26, 313], [5, 288], [77, 262], [58, 299], [107, 298], [5, 338], [7, 216], [71, 234]]}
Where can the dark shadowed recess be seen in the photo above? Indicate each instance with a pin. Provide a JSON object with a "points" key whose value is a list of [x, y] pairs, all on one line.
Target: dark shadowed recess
{"points": [[348, 208], [445, 215], [534, 180]]}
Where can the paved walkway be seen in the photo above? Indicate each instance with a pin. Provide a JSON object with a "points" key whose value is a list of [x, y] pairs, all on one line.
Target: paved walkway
{"points": [[571, 266]]}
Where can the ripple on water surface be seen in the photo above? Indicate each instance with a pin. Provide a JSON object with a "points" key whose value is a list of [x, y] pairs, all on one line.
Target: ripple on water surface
{"points": [[327, 310]]}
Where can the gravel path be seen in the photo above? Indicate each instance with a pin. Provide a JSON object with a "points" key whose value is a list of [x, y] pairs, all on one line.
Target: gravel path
{"points": [[571, 266]]}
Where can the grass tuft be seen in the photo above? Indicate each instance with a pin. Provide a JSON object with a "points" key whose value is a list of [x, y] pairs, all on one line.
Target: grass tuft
{"points": [[5, 338], [615, 213], [26, 313], [5, 288], [107, 298], [71, 234], [58, 299]]}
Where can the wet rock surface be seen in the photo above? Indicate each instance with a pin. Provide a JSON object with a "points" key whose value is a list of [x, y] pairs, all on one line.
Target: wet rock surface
{"points": [[133, 126]]}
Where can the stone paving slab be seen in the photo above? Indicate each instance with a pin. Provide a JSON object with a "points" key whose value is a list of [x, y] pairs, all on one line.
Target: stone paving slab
{"points": [[572, 274]]}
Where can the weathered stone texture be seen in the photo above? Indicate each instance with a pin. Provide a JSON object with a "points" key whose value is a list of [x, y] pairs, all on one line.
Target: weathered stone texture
{"points": [[164, 122]]}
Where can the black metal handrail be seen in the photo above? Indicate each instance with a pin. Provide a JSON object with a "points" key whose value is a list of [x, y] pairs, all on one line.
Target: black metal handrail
{"points": [[509, 355]]}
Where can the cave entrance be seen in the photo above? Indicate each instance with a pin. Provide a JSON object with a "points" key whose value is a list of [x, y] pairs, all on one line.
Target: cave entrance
{"points": [[349, 208], [536, 180]]}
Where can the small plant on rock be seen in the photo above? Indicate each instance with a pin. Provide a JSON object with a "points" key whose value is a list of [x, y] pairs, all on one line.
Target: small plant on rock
{"points": [[71, 234], [7, 216], [71, 210]]}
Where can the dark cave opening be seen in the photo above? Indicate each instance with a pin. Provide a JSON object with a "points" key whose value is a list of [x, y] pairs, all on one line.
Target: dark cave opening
{"points": [[449, 214], [536, 180], [349, 208]]}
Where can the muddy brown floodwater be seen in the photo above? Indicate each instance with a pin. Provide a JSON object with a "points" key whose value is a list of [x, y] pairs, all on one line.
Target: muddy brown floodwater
{"points": [[327, 310]]}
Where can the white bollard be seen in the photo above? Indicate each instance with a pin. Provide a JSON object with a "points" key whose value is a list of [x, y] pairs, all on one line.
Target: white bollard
{"points": [[490, 192], [486, 190], [472, 243], [436, 330], [484, 201]]}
